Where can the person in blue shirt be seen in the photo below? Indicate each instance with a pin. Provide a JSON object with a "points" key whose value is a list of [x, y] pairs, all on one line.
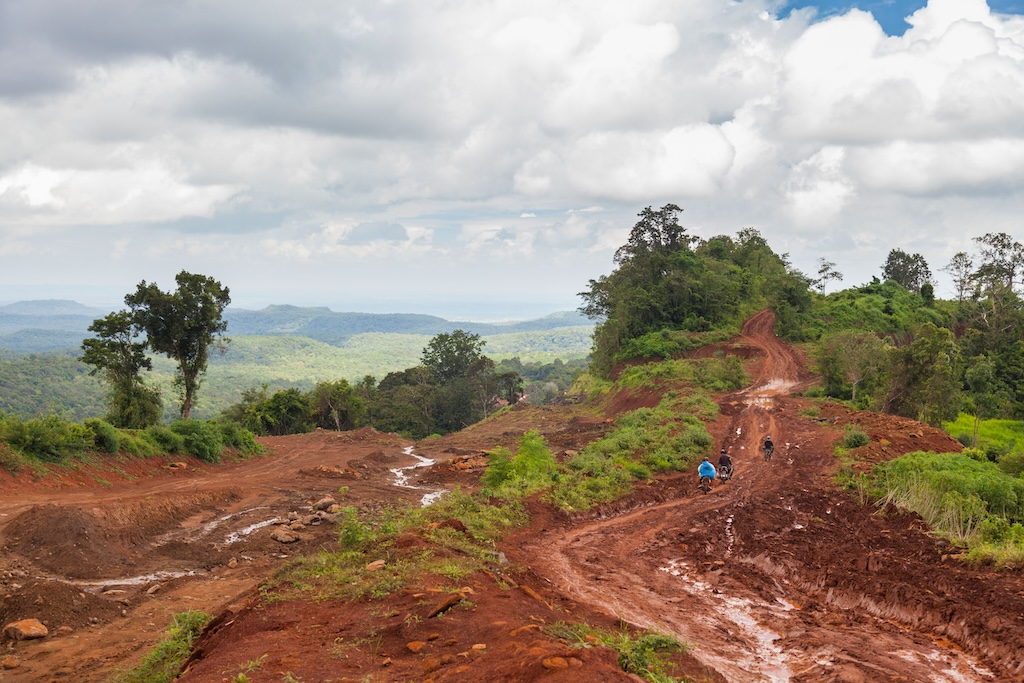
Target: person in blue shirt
{"points": [[706, 469]]}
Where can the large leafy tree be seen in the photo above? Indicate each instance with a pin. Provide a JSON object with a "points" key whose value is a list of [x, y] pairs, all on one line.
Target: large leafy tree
{"points": [[119, 355], [183, 325], [908, 270], [449, 356], [337, 405]]}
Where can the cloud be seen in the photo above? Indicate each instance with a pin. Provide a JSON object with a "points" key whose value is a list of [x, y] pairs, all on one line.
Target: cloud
{"points": [[317, 138]]}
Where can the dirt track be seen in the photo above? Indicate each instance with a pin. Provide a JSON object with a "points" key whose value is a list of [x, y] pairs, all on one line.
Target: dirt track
{"points": [[775, 576]]}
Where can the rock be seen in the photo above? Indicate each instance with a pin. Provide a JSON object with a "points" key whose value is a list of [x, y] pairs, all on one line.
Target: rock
{"points": [[447, 659], [232, 563], [296, 526], [311, 520], [324, 503], [376, 565], [335, 509], [531, 627], [293, 516], [575, 663], [479, 646], [445, 605], [26, 629], [154, 588], [431, 664], [64, 631], [114, 591], [433, 636], [555, 663], [329, 518], [386, 662], [416, 646], [10, 662], [285, 536]]}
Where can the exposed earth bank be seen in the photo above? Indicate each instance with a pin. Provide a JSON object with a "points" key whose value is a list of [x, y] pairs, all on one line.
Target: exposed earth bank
{"points": [[774, 576]]}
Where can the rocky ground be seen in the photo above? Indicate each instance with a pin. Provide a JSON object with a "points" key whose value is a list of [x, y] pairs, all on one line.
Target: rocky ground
{"points": [[774, 576]]}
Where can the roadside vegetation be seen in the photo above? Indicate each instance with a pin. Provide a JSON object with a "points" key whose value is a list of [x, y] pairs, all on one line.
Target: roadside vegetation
{"points": [[164, 662], [963, 497]]}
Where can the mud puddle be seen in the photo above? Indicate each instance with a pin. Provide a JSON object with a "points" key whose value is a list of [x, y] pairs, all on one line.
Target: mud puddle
{"points": [[402, 478]]}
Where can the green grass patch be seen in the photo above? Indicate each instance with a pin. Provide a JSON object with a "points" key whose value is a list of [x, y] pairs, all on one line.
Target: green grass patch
{"points": [[712, 374], [961, 496], [997, 438], [647, 655], [163, 663], [448, 554]]}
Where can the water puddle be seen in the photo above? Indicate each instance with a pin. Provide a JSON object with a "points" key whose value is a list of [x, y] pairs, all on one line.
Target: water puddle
{"points": [[236, 536], [754, 654], [136, 580], [402, 478]]}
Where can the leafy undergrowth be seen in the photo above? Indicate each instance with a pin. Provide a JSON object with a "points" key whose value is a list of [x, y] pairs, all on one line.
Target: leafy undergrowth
{"points": [[1001, 440], [164, 662], [448, 540], [962, 496], [647, 655], [668, 437]]}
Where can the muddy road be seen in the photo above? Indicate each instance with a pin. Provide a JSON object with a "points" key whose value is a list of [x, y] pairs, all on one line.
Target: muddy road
{"points": [[776, 576], [773, 576]]}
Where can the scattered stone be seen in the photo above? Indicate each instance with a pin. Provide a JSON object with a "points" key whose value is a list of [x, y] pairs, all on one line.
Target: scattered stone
{"points": [[445, 605], [479, 646], [10, 662], [575, 663], [26, 629], [329, 518], [447, 659], [324, 503], [386, 662], [433, 636], [530, 627], [176, 466], [376, 565], [311, 520], [416, 646], [154, 588], [335, 509], [555, 663], [296, 526], [64, 631], [293, 516], [114, 591], [285, 536], [451, 641], [431, 664]]}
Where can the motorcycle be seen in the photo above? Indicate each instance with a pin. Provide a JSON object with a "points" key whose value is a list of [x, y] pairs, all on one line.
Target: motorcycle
{"points": [[705, 484], [725, 472]]}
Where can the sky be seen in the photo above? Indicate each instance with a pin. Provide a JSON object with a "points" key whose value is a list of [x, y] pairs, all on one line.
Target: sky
{"points": [[483, 160]]}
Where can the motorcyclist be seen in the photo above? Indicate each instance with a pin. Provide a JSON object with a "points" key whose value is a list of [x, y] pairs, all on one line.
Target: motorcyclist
{"points": [[706, 469], [724, 462], [769, 447]]}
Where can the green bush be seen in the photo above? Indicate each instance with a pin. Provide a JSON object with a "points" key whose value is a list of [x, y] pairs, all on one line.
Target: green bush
{"points": [[238, 437], [527, 472], [49, 438], [855, 438], [1012, 464], [163, 663], [11, 460], [165, 438], [136, 443], [202, 438], [105, 435]]}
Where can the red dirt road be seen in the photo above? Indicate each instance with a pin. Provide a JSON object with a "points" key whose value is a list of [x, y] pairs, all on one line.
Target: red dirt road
{"points": [[776, 576]]}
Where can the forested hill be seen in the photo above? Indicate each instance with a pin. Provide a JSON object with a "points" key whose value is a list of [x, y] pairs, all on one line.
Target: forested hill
{"points": [[41, 326], [325, 325]]}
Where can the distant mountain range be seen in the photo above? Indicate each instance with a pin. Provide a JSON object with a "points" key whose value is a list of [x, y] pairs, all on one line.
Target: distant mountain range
{"points": [[54, 324]]}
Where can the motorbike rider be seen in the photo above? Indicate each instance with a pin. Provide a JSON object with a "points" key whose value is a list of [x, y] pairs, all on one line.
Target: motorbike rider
{"points": [[723, 459], [706, 469], [769, 447]]}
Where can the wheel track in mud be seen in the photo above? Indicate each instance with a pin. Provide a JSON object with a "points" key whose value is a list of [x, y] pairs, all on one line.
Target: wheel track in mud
{"points": [[659, 567]]}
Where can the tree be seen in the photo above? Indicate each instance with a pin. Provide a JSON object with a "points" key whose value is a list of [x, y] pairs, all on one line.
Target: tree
{"points": [[856, 357], [923, 377], [826, 271], [961, 269], [983, 393], [909, 271], [336, 405], [183, 325], [116, 353], [449, 356]]}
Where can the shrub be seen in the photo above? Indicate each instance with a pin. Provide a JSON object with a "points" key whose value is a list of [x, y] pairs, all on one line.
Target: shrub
{"points": [[10, 459], [527, 472], [105, 435], [46, 438], [139, 445], [165, 438], [1012, 464], [163, 663], [202, 438], [238, 437], [855, 438]]}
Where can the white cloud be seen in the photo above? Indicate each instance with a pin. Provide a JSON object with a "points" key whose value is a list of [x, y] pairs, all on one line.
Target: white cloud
{"points": [[174, 134]]}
